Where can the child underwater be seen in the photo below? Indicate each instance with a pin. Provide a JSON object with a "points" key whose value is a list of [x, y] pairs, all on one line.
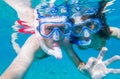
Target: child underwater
{"points": [[42, 35], [90, 29]]}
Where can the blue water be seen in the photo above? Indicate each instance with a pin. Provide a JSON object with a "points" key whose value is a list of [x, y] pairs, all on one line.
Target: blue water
{"points": [[50, 68]]}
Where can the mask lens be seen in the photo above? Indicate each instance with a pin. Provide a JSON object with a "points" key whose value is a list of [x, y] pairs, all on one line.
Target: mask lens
{"points": [[93, 25], [46, 29]]}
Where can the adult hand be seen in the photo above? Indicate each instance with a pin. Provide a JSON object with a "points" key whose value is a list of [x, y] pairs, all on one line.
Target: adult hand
{"points": [[98, 68]]}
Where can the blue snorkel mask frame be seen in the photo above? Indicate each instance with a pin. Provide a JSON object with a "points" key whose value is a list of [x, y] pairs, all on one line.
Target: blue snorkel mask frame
{"points": [[84, 42], [87, 28], [65, 33]]}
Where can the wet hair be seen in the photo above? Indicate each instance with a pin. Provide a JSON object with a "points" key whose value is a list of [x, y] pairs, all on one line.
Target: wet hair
{"points": [[105, 31]]}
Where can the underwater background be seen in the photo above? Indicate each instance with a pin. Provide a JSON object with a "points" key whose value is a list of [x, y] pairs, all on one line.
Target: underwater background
{"points": [[50, 68]]}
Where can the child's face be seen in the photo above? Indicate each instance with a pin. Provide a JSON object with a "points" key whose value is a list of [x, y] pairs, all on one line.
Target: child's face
{"points": [[84, 28], [54, 30]]}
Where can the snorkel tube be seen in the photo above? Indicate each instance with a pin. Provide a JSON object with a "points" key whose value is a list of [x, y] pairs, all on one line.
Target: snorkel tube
{"points": [[56, 51]]}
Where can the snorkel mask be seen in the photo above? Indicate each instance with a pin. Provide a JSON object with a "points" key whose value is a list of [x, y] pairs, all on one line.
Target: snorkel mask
{"points": [[90, 25], [53, 21], [54, 28], [85, 29]]}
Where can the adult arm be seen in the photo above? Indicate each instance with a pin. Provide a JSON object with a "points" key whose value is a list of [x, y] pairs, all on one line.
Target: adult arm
{"points": [[23, 60], [24, 10], [115, 32], [73, 56]]}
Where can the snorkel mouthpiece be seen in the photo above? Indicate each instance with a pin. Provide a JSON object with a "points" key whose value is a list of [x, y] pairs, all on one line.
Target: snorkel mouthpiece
{"points": [[57, 50], [84, 42]]}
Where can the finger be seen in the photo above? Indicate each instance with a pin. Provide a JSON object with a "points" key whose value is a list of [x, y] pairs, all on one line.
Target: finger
{"points": [[114, 71], [113, 59], [90, 63], [102, 53]]}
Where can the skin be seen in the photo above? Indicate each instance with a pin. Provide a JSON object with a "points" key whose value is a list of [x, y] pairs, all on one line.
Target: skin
{"points": [[26, 56], [97, 68], [23, 9], [115, 32]]}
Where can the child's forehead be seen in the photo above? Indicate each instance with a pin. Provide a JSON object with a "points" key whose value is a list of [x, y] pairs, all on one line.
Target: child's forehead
{"points": [[54, 25]]}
